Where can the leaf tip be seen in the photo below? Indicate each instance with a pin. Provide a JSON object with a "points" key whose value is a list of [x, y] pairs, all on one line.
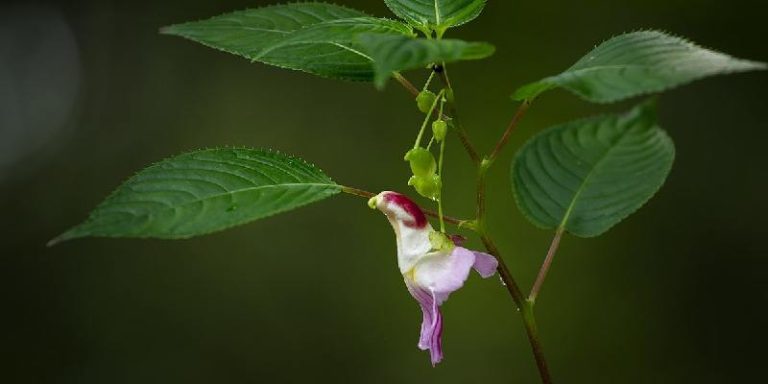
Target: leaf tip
{"points": [[59, 239], [167, 30], [758, 65], [380, 82]]}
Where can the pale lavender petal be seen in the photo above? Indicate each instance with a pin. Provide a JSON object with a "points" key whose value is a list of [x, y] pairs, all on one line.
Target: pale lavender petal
{"points": [[435, 277], [432, 322], [485, 264], [436, 346], [443, 273]]}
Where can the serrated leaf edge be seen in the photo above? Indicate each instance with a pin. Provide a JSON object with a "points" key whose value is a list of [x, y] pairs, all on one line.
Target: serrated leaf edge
{"points": [[68, 234], [563, 223], [547, 85]]}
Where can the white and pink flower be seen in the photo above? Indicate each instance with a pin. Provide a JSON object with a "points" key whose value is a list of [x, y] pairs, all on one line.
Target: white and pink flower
{"points": [[432, 268]]}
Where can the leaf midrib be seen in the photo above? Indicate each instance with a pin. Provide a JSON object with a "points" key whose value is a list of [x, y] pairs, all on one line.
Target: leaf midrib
{"points": [[244, 190], [279, 45], [581, 188], [580, 71]]}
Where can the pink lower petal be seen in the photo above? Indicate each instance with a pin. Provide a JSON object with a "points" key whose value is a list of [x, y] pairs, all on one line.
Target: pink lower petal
{"points": [[432, 322], [485, 264]]}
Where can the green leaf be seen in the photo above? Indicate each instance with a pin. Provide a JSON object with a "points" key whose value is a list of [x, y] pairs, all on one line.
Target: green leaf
{"points": [[586, 176], [331, 49], [436, 14], [638, 63], [205, 191], [398, 53], [313, 37], [250, 31]]}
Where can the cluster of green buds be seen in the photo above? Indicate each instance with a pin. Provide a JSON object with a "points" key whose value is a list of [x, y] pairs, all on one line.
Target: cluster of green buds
{"points": [[425, 179], [426, 171]]}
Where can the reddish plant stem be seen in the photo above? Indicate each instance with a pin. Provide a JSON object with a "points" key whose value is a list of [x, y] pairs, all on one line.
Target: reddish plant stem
{"points": [[545, 265], [533, 338], [525, 306], [406, 84], [460, 130], [521, 110], [504, 273], [463, 137]]}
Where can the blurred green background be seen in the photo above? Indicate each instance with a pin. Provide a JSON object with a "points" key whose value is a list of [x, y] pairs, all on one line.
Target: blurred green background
{"points": [[90, 93]]}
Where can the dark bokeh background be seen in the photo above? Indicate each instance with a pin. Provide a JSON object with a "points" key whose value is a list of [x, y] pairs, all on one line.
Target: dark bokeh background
{"points": [[90, 93]]}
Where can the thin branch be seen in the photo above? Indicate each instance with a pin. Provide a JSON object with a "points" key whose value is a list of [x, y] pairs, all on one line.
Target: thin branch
{"points": [[526, 309], [442, 72], [545, 265], [471, 151], [532, 330], [406, 84], [447, 219], [358, 192], [365, 194], [504, 273], [521, 110]]}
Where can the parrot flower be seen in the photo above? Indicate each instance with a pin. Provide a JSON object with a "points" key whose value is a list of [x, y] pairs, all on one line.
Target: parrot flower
{"points": [[433, 265]]}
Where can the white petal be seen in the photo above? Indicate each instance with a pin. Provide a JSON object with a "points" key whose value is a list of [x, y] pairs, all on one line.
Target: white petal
{"points": [[411, 228]]}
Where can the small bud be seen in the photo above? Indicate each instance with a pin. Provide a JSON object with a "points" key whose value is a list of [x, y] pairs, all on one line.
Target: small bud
{"points": [[425, 100], [439, 130], [429, 186], [422, 161]]}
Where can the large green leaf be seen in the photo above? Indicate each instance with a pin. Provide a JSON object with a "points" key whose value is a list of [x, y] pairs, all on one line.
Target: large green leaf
{"points": [[398, 53], [436, 14], [203, 192], [312, 37], [586, 176], [638, 63]]}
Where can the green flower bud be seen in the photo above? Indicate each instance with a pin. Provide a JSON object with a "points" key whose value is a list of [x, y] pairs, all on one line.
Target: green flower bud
{"points": [[422, 162], [428, 186], [425, 100], [439, 130]]}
